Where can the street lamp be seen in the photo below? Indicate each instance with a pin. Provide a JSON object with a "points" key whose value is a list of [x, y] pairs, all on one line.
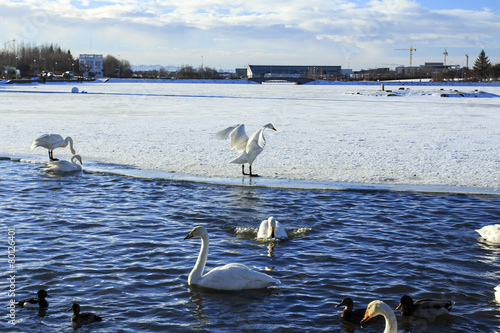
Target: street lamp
{"points": [[34, 67]]}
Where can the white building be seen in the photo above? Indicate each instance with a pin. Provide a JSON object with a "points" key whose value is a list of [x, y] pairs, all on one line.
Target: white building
{"points": [[91, 65]]}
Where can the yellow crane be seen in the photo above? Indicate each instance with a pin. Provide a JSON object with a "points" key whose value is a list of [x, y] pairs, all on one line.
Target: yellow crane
{"points": [[411, 49]]}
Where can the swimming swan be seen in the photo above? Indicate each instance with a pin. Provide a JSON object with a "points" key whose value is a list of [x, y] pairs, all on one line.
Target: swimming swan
{"points": [[228, 277], [425, 308], [248, 147], [51, 142], [376, 308], [65, 166], [271, 228], [491, 233]]}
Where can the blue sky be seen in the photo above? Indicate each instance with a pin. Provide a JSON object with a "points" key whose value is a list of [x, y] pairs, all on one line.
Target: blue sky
{"points": [[233, 33]]}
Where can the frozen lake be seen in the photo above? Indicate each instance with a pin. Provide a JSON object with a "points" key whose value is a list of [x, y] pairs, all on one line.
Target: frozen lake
{"points": [[325, 134]]}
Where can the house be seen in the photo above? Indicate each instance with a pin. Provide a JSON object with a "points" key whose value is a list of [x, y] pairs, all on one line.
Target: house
{"points": [[92, 65]]}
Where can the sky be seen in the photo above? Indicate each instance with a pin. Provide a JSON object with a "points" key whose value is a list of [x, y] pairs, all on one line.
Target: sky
{"points": [[228, 34]]}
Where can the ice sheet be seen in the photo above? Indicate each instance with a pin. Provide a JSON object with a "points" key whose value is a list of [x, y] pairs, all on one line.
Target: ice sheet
{"points": [[326, 134]]}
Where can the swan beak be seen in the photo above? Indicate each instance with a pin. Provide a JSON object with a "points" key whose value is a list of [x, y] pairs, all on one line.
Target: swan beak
{"points": [[399, 306], [272, 233], [366, 318], [274, 129], [189, 236]]}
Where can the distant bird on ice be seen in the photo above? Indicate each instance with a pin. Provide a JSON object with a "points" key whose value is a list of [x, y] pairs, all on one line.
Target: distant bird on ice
{"points": [[51, 142], [248, 147]]}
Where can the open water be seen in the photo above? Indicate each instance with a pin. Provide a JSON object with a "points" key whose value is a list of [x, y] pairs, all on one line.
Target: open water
{"points": [[114, 244]]}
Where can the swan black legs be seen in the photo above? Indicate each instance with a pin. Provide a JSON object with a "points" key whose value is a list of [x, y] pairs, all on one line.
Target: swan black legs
{"points": [[51, 156], [248, 174]]}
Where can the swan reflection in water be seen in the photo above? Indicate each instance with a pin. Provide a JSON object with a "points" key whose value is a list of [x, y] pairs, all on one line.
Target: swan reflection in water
{"points": [[254, 307]]}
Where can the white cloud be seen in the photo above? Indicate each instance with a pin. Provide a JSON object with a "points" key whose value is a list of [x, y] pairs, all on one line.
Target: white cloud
{"points": [[316, 31]]}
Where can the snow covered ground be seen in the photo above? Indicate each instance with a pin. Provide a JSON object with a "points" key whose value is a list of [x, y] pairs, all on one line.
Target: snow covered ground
{"points": [[326, 134]]}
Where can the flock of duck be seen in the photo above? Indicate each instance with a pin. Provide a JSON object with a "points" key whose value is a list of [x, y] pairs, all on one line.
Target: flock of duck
{"points": [[238, 276], [40, 302]]}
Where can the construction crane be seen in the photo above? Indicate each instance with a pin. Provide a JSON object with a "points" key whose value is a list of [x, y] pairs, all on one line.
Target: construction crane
{"points": [[411, 49], [445, 54]]}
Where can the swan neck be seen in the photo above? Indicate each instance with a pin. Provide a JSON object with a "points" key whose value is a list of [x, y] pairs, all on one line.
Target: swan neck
{"points": [[391, 325], [70, 141], [198, 268]]}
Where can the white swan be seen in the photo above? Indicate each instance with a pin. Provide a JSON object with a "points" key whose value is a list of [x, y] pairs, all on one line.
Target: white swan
{"points": [[497, 293], [271, 228], [65, 166], [376, 308], [248, 147], [51, 142], [490, 232], [228, 277]]}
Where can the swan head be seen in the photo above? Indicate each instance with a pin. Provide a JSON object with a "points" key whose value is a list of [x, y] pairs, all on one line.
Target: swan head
{"points": [[374, 309], [270, 126], [198, 231], [272, 226], [78, 158]]}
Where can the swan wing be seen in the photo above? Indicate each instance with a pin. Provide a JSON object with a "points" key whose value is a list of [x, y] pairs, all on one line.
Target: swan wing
{"points": [[59, 166], [257, 140], [235, 277], [48, 141], [237, 137], [263, 230], [279, 231]]}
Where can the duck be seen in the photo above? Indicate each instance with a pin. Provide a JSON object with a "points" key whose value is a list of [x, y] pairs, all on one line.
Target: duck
{"points": [[497, 293], [79, 319], [248, 147], [350, 315], [65, 166], [424, 308], [35, 303], [233, 277], [271, 229], [376, 308], [490, 232], [51, 142]]}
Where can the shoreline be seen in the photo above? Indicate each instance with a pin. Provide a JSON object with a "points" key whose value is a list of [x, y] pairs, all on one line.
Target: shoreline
{"points": [[421, 82], [270, 183]]}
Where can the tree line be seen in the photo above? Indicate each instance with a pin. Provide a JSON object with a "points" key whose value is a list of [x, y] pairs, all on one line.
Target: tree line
{"points": [[31, 60]]}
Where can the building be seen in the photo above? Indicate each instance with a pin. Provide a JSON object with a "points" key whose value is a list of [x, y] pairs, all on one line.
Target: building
{"points": [[432, 68], [283, 71], [91, 65]]}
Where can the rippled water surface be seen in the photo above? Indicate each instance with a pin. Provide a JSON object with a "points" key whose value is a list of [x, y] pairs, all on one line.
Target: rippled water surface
{"points": [[115, 245]]}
